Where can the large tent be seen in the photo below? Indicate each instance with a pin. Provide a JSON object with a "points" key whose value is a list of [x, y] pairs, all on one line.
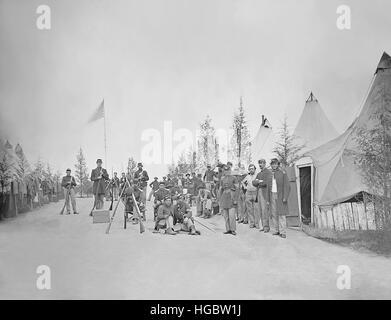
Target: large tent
{"points": [[337, 178], [263, 143], [313, 128]]}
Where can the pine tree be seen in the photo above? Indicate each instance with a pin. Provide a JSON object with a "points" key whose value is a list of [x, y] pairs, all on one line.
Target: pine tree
{"points": [[39, 169], [132, 164], [240, 141], [81, 171], [374, 158], [187, 163], [5, 171], [24, 167], [206, 148], [287, 151]]}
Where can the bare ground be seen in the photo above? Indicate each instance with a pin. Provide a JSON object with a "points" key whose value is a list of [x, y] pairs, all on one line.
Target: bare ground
{"points": [[86, 263]]}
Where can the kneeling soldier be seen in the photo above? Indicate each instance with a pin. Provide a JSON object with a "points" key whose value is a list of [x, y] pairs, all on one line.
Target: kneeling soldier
{"points": [[165, 217], [183, 220]]}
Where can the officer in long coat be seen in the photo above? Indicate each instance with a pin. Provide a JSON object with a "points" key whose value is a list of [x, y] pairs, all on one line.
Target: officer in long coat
{"points": [[280, 189], [263, 182], [228, 200], [99, 176]]}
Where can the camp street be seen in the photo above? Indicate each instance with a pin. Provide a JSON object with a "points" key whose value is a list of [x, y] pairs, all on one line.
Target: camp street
{"points": [[86, 263]]}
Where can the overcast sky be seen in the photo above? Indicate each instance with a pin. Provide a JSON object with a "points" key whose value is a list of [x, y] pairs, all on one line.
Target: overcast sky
{"points": [[176, 60]]}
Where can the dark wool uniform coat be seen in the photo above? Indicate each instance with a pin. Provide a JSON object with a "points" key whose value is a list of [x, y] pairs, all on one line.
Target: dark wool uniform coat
{"points": [[266, 184], [160, 194], [283, 189], [228, 193], [99, 185], [142, 177]]}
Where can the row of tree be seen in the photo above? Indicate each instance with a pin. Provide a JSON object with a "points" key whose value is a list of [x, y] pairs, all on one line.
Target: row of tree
{"points": [[239, 146], [14, 166]]}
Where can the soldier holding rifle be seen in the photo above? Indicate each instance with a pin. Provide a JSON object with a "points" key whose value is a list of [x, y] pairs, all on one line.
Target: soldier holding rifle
{"points": [[141, 176], [68, 183]]}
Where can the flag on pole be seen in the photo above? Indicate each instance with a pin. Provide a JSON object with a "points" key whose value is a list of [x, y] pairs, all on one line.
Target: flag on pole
{"points": [[99, 113]]}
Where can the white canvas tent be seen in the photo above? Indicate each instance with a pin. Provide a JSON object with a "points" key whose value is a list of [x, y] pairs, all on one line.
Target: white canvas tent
{"points": [[313, 128], [263, 143], [336, 177]]}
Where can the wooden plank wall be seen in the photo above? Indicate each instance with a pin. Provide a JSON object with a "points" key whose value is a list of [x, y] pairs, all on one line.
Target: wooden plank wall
{"points": [[346, 216]]}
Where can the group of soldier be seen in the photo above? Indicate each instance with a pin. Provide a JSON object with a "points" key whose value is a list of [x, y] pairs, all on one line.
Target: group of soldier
{"points": [[258, 197]]}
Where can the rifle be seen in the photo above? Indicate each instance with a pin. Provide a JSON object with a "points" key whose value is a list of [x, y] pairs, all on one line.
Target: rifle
{"points": [[66, 198], [112, 197], [205, 226], [115, 210], [142, 227]]}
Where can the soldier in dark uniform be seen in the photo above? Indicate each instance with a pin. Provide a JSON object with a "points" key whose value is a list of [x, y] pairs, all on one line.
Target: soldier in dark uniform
{"points": [[154, 185], [263, 182], [175, 190], [99, 176], [280, 189], [130, 206], [69, 183], [122, 181], [159, 196], [228, 200], [141, 176], [209, 177], [115, 184], [169, 182], [165, 216], [183, 220]]}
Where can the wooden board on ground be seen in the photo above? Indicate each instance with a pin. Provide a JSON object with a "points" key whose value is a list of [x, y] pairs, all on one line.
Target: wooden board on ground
{"points": [[101, 216]]}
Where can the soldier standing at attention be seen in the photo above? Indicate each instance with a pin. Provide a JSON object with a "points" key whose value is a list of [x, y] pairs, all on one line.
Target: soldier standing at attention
{"points": [[99, 176], [228, 200], [251, 198], [68, 183], [279, 198], [263, 182], [154, 185], [209, 177]]}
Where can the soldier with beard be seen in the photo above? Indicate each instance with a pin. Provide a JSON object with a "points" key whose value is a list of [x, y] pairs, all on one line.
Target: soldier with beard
{"points": [[99, 176]]}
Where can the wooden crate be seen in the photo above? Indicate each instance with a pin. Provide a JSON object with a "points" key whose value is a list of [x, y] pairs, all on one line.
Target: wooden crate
{"points": [[101, 216]]}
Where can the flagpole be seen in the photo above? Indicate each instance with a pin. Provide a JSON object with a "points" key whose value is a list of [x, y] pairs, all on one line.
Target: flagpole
{"points": [[104, 125]]}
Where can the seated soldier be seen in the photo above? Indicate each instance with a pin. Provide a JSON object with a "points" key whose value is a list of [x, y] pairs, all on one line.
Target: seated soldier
{"points": [[165, 217], [183, 220], [159, 197]]}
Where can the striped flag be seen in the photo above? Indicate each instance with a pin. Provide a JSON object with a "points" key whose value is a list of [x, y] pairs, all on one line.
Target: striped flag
{"points": [[99, 113]]}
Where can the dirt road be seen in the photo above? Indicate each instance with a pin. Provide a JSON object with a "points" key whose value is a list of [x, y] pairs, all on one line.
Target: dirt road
{"points": [[86, 263]]}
